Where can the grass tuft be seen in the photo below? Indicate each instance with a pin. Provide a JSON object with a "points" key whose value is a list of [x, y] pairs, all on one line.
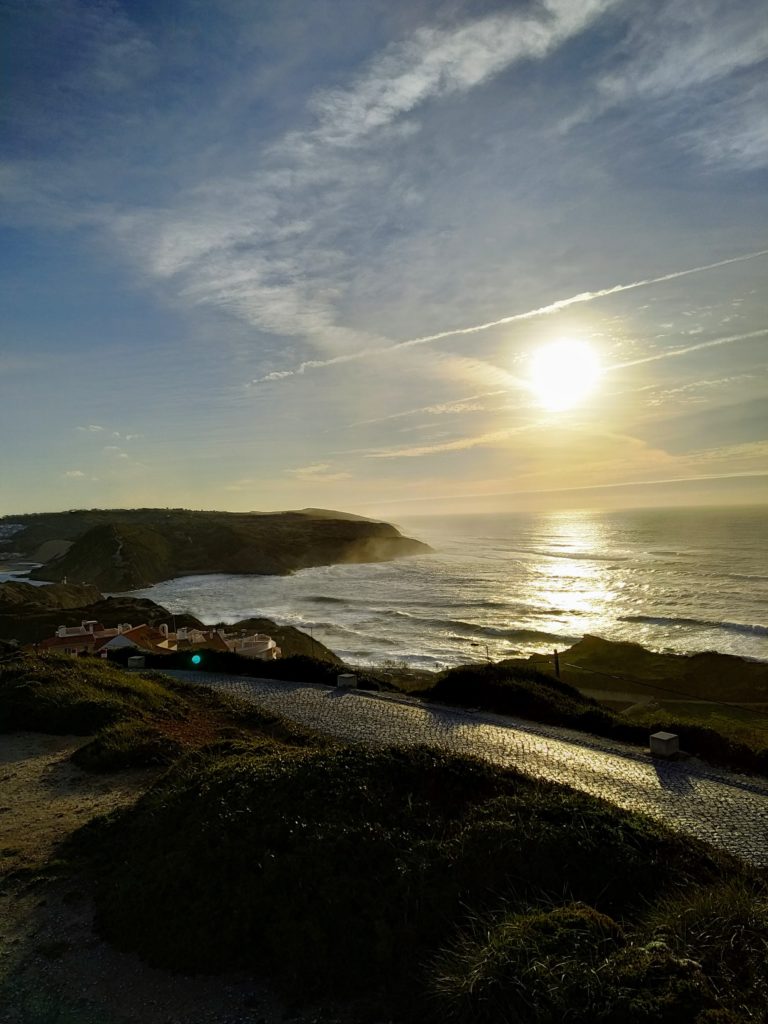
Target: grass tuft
{"points": [[524, 966], [126, 745]]}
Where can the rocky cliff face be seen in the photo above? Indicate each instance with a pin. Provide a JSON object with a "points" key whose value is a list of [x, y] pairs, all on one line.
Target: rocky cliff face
{"points": [[119, 550]]}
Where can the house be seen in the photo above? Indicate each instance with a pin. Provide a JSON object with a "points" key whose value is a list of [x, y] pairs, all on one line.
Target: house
{"points": [[255, 645], [91, 637]]}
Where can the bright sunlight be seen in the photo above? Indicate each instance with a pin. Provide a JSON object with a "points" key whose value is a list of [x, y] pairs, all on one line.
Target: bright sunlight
{"points": [[563, 374]]}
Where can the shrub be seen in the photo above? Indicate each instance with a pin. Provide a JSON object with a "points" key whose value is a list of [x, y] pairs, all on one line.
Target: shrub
{"points": [[526, 967], [650, 985], [340, 872], [126, 745], [725, 928], [524, 692], [512, 690], [60, 694]]}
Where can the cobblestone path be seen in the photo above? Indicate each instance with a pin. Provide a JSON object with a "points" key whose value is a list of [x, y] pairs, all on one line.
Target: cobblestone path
{"points": [[724, 808]]}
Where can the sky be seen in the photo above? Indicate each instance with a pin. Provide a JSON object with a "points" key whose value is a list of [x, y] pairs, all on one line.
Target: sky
{"points": [[268, 255]]}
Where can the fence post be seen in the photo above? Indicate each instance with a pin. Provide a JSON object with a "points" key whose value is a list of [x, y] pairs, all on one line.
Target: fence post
{"points": [[557, 664]]}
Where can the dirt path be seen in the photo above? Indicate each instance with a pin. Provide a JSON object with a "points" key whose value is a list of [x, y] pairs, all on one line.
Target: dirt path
{"points": [[44, 797], [53, 967]]}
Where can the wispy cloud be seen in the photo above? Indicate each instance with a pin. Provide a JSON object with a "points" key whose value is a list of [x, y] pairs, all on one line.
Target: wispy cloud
{"points": [[704, 48], [694, 391], [684, 46], [74, 474], [436, 62], [318, 472], [734, 130], [458, 405], [92, 428], [674, 352], [272, 248], [459, 444]]}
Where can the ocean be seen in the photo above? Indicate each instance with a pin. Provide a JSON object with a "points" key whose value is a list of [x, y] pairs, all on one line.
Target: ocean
{"points": [[682, 580]]}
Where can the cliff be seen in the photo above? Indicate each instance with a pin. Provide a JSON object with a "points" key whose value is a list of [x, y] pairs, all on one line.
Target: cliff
{"points": [[127, 549]]}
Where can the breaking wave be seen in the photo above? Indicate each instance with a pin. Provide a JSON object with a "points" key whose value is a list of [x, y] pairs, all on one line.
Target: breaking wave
{"points": [[731, 627]]}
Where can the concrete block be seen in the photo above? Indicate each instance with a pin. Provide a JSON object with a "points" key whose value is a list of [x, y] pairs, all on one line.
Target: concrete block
{"points": [[665, 744], [346, 679], [136, 661]]}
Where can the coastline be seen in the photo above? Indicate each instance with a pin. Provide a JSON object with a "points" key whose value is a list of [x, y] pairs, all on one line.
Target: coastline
{"points": [[425, 635]]}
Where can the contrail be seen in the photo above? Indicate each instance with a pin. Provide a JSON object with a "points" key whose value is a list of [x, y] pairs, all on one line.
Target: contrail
{"points": [[553, 307], [691, 348]]}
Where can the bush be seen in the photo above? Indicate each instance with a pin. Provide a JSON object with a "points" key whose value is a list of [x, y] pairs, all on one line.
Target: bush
{"points": [[340, 872], [60, 694], [650, 985], [712, 745], [572, 963], [523, 692], [725, 928], [524, 967], [126, 745]]}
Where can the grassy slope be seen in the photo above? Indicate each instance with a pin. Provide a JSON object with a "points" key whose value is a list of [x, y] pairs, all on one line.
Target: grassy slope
{"points": [[613, 671], [17, 596], [138, 718], [611, 666]]}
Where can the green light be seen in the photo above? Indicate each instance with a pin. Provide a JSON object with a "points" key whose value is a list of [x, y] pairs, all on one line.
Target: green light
{"points": [[196, 659]]}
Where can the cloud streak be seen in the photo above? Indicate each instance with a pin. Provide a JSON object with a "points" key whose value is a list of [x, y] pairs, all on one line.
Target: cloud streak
{"points": [[318, 472], [437, 62], [672, 353], [553, 307]]}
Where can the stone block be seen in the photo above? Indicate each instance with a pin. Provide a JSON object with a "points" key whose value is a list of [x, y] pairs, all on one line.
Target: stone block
{"points": [[665, 744], [347, 680]]}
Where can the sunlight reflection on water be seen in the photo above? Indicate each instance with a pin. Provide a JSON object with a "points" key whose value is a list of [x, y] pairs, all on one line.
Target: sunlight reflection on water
{"points": [[677, 579]]}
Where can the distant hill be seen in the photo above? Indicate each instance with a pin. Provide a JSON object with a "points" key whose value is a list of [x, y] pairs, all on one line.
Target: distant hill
{"points": [[611, 666], [127, 549]]}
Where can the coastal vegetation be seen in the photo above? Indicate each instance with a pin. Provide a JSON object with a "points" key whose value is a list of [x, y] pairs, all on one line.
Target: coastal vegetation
{"points": [[397, 882], [426, 887], [133, 718], [127, 549]]}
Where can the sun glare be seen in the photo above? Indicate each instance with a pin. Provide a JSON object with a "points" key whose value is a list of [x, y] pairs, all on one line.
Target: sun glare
{"points": [[563, 374]]}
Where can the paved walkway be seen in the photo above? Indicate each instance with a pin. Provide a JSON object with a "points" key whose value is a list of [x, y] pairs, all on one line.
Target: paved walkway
{"points": [[724, 808]]}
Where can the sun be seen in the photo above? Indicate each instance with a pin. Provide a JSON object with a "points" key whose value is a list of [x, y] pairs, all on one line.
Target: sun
{"points": [[563, 374]]}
